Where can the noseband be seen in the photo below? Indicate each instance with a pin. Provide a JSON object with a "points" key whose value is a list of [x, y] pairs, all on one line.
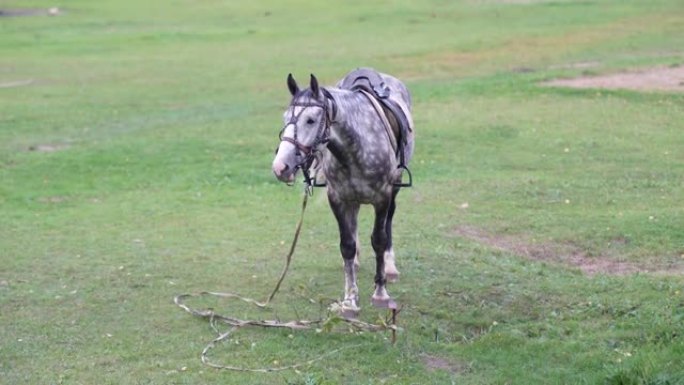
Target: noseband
{"points": [[308, 153]]}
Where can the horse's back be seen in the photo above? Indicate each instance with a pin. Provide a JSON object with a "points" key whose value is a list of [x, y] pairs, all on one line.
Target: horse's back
{"points": [[388, 86], [398, 87], [371, 78]]}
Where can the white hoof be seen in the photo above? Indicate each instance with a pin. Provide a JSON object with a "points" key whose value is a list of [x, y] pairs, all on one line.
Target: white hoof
{"points": [[346, 309], [381, 298], [391, 272]]}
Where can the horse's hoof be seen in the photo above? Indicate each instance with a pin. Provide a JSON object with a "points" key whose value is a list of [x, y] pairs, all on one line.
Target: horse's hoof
{"points": [[349, 313], [345, 309], [383, 302], [392, 276], [391, 272]]}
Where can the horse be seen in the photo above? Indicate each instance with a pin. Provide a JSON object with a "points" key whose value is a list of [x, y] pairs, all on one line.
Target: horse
{"points": [[348, 138]]}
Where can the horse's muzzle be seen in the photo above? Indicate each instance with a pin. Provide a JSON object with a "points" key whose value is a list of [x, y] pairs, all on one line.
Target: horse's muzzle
{"points": [[283, 172]]}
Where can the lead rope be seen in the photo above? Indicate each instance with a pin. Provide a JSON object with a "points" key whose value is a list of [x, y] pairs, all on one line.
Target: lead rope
{"points": [[214, 318], [288, 258]]}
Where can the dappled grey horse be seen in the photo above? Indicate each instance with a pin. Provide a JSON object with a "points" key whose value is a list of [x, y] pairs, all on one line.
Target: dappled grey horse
{"points": [[358, 146]]}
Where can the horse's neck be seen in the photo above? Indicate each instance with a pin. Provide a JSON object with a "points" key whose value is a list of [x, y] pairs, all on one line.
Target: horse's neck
{"points": [[349, 117]]}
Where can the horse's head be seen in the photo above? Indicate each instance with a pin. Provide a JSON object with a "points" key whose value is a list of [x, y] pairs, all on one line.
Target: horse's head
{"points": [[305, 132]]}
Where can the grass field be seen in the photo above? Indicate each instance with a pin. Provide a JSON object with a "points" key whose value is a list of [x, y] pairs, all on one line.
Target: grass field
{"points": [[135, 148]]}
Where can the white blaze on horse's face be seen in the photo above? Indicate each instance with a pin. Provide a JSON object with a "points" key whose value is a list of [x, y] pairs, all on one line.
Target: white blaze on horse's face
{"points": [[285, 159], [300, 124]]}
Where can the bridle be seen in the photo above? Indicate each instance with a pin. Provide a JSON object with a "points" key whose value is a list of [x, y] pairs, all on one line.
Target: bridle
{"points": [[307, 154]]}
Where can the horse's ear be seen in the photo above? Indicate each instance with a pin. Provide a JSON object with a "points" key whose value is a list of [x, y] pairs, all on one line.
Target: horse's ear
{"points": [[314, 85], [292, 85]]}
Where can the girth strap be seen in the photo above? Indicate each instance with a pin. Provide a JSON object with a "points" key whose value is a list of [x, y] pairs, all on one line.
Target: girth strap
{"points": [[381, 113]]}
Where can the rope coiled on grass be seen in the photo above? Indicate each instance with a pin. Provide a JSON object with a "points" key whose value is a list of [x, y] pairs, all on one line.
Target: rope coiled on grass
{"points": [[235, 323]]}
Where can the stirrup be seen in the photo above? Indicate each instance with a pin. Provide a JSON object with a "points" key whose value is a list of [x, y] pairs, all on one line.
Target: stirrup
{"points": [[410, 181]]}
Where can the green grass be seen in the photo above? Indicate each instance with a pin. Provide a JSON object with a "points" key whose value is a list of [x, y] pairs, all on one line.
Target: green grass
{"points": [[165, 115]]}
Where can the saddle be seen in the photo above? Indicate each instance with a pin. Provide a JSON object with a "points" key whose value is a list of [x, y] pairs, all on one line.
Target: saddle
{"points": [[370, 83]]}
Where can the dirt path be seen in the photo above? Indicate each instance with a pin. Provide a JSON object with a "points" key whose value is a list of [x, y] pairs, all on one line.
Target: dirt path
{"points": [[651, 79], [568, 255]]}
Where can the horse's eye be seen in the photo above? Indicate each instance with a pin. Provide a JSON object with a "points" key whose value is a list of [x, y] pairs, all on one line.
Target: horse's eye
{"points": [[309, 121]]}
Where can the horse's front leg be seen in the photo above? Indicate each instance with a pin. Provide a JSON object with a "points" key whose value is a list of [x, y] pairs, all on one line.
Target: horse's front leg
{"points": [[346, 215], [380, 241]]}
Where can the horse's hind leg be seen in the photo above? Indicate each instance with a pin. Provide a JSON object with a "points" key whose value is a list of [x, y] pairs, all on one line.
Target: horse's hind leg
{"points": [[379, 240], [391, 272], [346, 215], [357, 258]]}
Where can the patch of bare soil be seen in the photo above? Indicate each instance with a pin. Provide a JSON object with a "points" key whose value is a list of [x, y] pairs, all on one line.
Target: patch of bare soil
{"points": [[564, 254], [48, 147], [652, 79], [576, 65], [23, 12], [16, 83], [433, 363], [520, 2], [54, 199]]}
